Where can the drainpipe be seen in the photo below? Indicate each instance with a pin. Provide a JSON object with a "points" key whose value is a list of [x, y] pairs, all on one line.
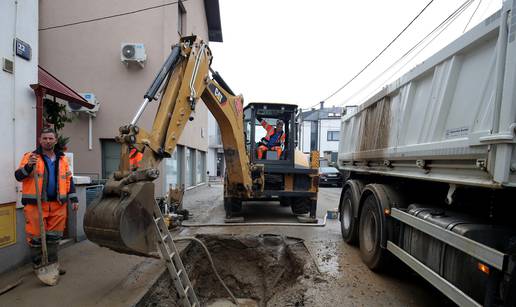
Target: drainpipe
{"points": [[90, 132]]}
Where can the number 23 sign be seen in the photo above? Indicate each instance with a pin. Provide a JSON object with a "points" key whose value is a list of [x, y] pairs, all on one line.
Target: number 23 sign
{"points": [[23, 50]]}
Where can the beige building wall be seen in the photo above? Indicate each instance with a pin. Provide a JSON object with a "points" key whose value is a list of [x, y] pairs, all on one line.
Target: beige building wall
{"points": [[87, 56]]}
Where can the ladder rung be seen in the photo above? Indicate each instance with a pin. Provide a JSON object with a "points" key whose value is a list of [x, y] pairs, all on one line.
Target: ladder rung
{"points": [[164, 237], [186, 290], [157, 219], [172, 254], [179, 272]]}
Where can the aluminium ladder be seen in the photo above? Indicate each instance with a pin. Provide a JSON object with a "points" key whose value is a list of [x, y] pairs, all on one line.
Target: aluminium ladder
{"points": [[173, 261]]}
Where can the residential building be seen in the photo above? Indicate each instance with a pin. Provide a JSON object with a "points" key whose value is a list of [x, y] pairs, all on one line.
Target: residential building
{"points": [[81, 41], [319, 129]]}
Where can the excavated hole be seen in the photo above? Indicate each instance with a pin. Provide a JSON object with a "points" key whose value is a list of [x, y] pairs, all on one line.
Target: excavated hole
{"points": [[270, 270]]}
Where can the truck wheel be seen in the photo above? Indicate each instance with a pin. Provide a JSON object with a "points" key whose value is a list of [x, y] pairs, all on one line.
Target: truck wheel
{"points": [[300, 206], [370, 228], [232, 206], [348, 222]]}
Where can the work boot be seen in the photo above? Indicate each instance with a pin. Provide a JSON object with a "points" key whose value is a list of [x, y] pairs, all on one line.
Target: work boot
{"points": [[35, 254], [52, 247]]}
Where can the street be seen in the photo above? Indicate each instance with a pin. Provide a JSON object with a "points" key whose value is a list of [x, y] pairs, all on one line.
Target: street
{"points": [[99, 277], [348, 282]]}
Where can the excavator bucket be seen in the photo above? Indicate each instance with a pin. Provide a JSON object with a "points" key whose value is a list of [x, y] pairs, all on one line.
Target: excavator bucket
{"points": [[123, 222]]}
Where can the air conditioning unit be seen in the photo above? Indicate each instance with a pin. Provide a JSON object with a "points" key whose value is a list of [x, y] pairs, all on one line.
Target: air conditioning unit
{"points": [[90, 98], [133, 53]]}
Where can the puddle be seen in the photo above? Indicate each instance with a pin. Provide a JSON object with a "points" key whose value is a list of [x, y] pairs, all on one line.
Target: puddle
{"points": [[265, 270], [328, 257]]}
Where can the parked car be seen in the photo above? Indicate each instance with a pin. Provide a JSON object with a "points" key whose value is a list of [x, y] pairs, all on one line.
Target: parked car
{"points": [[330, 176]]}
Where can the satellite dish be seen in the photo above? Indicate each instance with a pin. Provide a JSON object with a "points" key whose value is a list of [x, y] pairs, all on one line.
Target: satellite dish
{"points": [[128, 51]]}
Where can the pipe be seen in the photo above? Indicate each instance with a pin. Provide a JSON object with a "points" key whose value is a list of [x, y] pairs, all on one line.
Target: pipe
{"points": [[90, 133], [211, 263], [258, 224]]}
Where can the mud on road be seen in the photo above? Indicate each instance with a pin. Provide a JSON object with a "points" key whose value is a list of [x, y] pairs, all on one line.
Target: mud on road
{"points": [[323, 271]]}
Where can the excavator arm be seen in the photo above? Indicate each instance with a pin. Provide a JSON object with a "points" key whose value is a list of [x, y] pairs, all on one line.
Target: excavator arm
{"points": [[121, 219]]}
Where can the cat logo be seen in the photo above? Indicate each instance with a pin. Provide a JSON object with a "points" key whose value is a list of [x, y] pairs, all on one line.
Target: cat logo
{"points": [[217, 93]]}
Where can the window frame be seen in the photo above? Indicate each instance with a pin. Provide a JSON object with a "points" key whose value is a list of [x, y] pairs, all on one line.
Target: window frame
{"points": [[332, 133]]}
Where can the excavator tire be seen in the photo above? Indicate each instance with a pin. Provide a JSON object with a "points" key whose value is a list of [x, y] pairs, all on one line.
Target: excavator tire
{"points": [[300, 205]]}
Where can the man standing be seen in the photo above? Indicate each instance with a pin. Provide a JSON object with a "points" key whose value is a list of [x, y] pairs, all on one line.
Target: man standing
{"points": [[56, 188]]}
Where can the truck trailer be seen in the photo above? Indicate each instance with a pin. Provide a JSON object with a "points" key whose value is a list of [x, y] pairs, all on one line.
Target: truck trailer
{"points": [[430, 166]]}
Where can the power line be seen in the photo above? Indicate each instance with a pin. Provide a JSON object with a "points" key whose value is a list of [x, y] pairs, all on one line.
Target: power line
{"points": [[381, 52], [111, 16], [471, 17], [446, 23]]}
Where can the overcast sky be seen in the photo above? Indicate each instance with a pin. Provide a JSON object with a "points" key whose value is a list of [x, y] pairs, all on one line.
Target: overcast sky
{"points": [[301, 51]]}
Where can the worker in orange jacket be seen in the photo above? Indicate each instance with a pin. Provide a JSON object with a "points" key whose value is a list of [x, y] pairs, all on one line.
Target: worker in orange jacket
{"points": [[273, 140], [56, 189], [134, 159]]}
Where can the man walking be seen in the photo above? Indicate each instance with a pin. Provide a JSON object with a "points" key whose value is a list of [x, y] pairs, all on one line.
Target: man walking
{"points": [[56, 188]]}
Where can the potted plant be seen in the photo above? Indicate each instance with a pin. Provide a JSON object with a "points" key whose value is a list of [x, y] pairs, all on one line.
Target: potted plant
{"points": [[54, 114]]}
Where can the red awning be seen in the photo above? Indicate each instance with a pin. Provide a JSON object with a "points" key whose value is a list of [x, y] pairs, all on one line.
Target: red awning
{"points": [[52, 86]]}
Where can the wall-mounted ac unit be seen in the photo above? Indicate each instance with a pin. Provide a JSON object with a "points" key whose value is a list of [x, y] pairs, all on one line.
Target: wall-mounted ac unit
{"points": [[90, 98], [133, 53]]}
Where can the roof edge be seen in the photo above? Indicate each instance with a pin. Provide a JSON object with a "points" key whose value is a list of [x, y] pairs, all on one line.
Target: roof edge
{"points": [[212, 9]]}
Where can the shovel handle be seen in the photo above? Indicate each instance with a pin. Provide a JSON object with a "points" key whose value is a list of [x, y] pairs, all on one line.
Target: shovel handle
{"points": [[42, 231]]}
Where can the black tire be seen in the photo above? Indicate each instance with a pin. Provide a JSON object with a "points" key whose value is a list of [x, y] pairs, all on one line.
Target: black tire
{"points": [[370, 234], [348, 222], [285, 202], [300, 205], [232, 206]]}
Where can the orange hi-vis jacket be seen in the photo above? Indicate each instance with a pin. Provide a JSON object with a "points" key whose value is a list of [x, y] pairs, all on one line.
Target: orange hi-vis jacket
{"points": [[65, 186], [270, 132], [134, 159]]}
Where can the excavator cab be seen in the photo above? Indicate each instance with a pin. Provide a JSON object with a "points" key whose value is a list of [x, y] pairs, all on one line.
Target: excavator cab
{"points": [[258, 117]]}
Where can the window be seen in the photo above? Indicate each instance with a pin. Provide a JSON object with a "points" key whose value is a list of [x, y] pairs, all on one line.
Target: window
{"points": [[190, 166], [181, 18], [110, 157], [201, 169], [171, 171], [333, 135], [314, 133]]}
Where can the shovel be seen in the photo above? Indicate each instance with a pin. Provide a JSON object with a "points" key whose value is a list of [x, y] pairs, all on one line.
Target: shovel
{"points": [[46, 273]]}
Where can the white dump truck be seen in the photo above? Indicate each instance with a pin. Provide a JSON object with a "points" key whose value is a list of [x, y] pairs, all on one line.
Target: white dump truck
{"points": [[430, 162]]}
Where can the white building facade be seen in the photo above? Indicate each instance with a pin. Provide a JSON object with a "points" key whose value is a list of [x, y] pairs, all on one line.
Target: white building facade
{"points": [[19, 61], [319, 129]]}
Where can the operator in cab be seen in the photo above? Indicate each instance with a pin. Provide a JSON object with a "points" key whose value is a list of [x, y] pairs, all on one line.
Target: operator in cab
{"points": [[274, 139]]}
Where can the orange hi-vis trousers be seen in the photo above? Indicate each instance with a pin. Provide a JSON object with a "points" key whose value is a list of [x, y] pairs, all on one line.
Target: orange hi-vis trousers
{"points": [[54, 218], [262, 148]]}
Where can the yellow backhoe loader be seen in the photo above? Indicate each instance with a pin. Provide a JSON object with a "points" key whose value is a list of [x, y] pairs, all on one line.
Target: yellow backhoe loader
{"points": [[121, 219]]}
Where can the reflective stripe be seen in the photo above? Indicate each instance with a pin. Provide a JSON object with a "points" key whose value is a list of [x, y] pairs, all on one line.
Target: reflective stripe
{"points": [[24, 171], [30, 196], [55, 233]]}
